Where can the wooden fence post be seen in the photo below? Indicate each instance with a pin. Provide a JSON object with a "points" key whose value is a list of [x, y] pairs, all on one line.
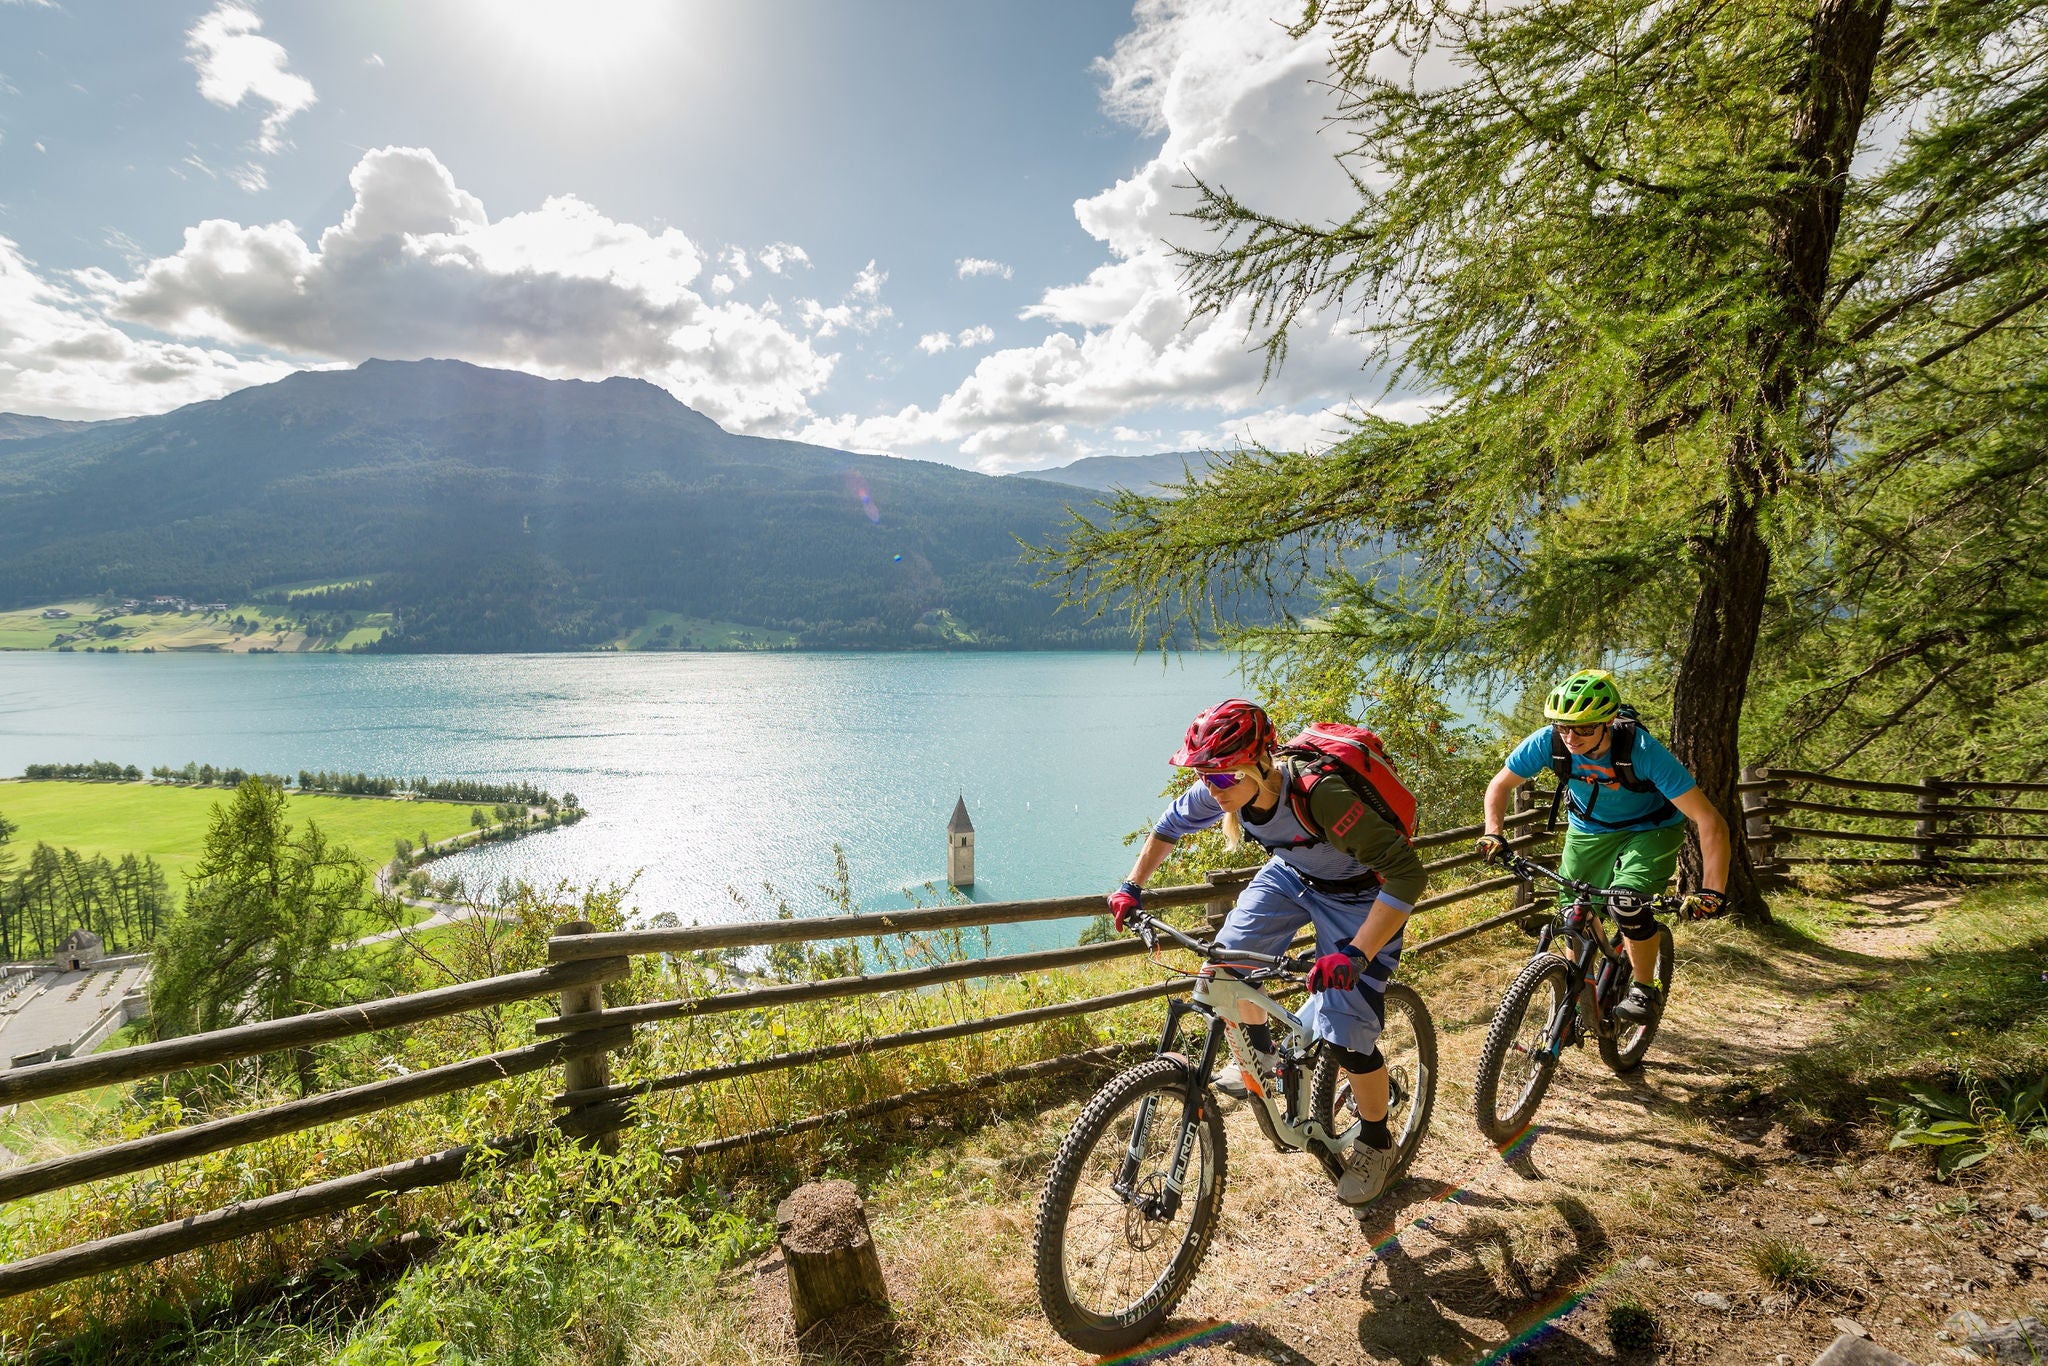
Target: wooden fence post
{"points": [[1925, 841], [1756, 821], [586, 1071], [1525, 890], [1215, 912]]}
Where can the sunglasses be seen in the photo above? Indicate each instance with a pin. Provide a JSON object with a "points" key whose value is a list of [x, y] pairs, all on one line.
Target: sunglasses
{"points": [[1580, 732], [1223, 782]]}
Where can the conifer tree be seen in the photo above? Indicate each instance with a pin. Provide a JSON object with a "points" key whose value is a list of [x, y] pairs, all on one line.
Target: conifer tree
{"points": [[263, 929], [1715, 310]]}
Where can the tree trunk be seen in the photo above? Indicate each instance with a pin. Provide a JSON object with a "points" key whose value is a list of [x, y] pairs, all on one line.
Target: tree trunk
{"points": [[831, 1258], [1713, 679], [1713, 676]]}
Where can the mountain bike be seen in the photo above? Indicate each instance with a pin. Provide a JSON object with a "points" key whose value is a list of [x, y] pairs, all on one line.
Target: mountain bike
{"points": [[1567, 990], [1134, 1192]]}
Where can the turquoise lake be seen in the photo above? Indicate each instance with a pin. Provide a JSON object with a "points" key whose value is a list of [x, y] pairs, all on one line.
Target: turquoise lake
{"points": [[702, 772]]}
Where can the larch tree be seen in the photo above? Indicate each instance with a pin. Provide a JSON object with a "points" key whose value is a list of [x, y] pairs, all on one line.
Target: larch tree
{"points": [[1712, 306], [264, 928]]}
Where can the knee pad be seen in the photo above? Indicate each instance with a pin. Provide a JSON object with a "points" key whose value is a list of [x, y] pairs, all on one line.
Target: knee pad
{"points": [[1631, 914], [1362, 1064]]}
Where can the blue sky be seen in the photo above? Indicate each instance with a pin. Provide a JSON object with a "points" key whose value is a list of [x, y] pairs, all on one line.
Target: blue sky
{"points": [[934, 230]]}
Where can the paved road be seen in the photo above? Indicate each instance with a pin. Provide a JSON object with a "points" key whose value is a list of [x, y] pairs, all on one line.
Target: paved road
{"points": [[59, 1006]]}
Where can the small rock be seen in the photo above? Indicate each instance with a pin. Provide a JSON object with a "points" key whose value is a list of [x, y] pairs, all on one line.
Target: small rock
{"points": [[1708, 1299], [1818, 1221], [2035, 1214], [1850, 1326], [2021, 1341], [1646, 1263], [1964, 1322]]}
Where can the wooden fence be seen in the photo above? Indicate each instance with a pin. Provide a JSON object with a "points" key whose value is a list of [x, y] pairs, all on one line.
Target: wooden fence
{"points": [[578, 1038], [1946, 818]]}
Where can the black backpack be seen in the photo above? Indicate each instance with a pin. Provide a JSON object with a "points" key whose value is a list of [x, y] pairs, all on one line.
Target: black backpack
{"points": [[1622, 753]]}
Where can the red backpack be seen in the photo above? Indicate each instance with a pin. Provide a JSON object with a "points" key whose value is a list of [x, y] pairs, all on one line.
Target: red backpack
{"points": [[1331, 747]]}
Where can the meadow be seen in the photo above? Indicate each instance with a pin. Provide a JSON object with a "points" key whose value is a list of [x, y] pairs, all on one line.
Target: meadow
{"points": [[265, 627], [169, 823]]}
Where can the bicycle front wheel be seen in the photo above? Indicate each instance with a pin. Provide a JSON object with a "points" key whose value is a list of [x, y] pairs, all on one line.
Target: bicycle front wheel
{"points": [[1408, 1043], [1112, 1260], [1520, 1055], [1622, 1046]]}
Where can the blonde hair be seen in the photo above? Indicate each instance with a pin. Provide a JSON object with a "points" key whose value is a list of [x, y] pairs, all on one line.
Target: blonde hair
{"points": [[1233, 824]]}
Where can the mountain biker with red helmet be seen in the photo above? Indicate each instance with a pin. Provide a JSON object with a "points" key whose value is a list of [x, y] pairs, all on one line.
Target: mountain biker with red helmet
{"points": [[1338, 862], [1630, 799]]}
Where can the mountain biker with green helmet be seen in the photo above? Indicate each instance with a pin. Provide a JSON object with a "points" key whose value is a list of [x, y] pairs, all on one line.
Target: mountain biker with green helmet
{"points": [[1630, 799]]}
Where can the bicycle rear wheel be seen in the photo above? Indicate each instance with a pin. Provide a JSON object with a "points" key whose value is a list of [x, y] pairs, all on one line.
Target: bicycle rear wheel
{"points": [[1111, 1266], [1408, 1043], [1622, 1046], [1520, 1055]]}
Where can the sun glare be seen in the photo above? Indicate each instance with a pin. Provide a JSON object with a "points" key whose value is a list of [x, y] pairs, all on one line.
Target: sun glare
{"points": [[579, 40]]}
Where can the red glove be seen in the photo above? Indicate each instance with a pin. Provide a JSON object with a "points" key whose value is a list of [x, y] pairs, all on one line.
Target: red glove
{"points": [[1336, 971], [1126, 899]]}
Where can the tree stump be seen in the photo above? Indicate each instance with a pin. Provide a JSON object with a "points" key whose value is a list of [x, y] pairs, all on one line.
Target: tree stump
{"points": [[823, 1230]]}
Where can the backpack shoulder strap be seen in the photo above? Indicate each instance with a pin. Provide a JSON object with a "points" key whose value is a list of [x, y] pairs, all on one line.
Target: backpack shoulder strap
{"points": [[1299, 775], [1626, 728], [1561, 772]]}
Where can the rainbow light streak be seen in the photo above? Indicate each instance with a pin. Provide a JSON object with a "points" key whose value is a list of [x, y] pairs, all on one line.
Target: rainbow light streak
{"points": [[859, 489], [1217, 1331]]}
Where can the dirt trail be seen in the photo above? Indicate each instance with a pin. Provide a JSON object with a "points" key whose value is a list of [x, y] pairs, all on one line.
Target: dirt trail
{"points": [[1608, 1195]]}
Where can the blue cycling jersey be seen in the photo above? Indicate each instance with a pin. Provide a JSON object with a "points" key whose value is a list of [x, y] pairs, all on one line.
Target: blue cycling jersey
{"points": [[1596, 792]]}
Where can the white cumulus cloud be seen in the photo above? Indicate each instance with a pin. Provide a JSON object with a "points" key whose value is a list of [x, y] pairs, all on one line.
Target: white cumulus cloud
{"points": [[59, 357], [980, 335], [1239, 103], [971, 266], [416, 267], [931, 343], [236, 63]]}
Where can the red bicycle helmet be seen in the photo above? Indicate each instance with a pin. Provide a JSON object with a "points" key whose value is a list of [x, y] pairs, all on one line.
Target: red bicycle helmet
{"points": [[1230, 734]]}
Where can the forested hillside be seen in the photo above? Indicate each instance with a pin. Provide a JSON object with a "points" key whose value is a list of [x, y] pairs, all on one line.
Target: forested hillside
{"points": [[497, 511]]}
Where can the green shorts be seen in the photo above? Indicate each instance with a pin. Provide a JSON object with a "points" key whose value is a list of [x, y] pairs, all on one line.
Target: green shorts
{"points": [[1641, 860]]}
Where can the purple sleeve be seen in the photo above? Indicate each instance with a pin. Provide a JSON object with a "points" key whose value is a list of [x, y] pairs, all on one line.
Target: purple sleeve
{"points": [[1195, 809]]}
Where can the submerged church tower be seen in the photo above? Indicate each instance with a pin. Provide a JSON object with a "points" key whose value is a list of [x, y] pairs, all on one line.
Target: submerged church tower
{"points": [[960, 847]]}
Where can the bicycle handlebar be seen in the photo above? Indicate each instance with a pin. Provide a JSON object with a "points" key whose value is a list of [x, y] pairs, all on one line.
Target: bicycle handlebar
{"points": [[1149, 927], [1530, 869]]}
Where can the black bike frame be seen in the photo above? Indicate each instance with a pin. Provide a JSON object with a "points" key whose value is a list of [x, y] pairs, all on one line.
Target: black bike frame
{"points": [[1191, 1112], [1582, 922]]}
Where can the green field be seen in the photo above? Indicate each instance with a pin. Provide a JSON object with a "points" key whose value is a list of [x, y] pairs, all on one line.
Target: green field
{"points": [[697, 633], [95, 626], [169, 823]]}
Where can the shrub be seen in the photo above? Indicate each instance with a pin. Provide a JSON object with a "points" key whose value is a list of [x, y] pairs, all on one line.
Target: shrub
{"points": [[1788, 1266], [1631, 1327]]}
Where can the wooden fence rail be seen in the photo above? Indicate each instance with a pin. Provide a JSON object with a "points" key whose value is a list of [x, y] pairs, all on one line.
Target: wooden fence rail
{"points": [[578, 1038], [583, 1031], [1941, 825]]}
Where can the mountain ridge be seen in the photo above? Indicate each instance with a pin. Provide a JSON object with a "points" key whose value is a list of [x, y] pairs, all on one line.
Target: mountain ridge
{"points": [[496, 510]]}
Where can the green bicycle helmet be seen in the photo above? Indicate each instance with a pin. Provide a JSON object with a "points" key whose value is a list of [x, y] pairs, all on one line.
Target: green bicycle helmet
{"points": [[1587, 696]]}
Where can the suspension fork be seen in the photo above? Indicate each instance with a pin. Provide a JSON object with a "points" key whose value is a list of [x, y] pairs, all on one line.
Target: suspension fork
{"points": [[1194, 1097]]}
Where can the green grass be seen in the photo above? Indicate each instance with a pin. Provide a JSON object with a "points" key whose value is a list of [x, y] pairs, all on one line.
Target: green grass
{"points": [[701, 633], [271, 628], [1972, 1004], [169, 823], [1785, 1265]]}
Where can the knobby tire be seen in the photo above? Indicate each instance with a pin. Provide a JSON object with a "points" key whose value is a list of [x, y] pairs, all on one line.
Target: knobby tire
{"points": [[1622, 1046], [1064, 1256], [1408, 1042], [1526, 1008]]}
